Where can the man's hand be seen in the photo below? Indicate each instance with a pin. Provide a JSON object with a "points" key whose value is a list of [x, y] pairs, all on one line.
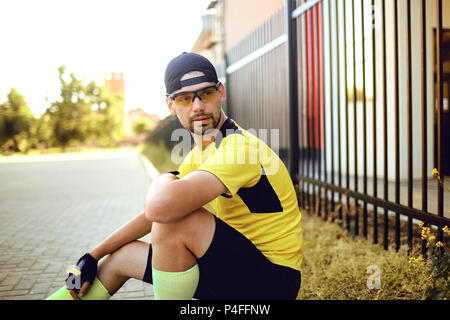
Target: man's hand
{"points": [[82, 276]]}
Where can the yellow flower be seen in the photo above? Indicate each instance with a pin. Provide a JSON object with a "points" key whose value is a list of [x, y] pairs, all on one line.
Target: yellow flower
{"points": [[439, 244], [424, 234], [431, 238], [421, 224], [435, 172], [417, 261], [445, 228]]}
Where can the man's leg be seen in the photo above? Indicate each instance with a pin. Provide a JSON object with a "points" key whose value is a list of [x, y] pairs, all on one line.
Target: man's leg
{"points": [[113, 271], [176, 248], [127, 262]]}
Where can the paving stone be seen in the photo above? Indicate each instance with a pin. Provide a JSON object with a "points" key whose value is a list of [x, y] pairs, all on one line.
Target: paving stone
{"points": [[39, 266], [10, 280], [30, 296], [40, 288], [25, 284], [13, 293], [54, 268], [6, 288]]}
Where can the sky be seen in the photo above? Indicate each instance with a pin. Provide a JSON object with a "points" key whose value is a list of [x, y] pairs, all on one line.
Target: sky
{"points": [[91, 38]]}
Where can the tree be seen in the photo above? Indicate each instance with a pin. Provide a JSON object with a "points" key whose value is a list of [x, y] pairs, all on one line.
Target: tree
{"points": [[41, 132], [84, 113], [142, 125], [71, 115], [16, 121], [109, 117]]}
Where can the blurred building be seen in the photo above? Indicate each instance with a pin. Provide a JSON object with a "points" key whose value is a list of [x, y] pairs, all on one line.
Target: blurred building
{"points": [[115, 82], [227, 22], [135, 116]]}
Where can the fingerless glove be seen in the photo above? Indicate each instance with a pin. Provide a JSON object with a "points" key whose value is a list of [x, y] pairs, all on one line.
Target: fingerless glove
{"points": [[85, 270]]}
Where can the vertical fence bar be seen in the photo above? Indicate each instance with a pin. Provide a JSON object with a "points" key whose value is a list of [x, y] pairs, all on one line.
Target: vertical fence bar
{"points": [[323, 96], [409, 112], [439, 96], [424, 118], [227, 82], [347, 173], [301, 105], [338, 73], [310, 108], [314, 103], [293, 91], [331, 107], [262, 86], [308, 104], [319, 102], [301, 108], [374, 115], [364, 120], [385, 180], [304, 114], [355, 120], [397, 132], [314, 109]]}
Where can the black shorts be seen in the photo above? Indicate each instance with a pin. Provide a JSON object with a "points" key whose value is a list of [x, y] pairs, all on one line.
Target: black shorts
{"points": [[233, 268]]}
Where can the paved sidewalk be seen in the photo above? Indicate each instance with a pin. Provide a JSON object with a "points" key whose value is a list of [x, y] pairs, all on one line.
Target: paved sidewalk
{"points": [[55, 208]]}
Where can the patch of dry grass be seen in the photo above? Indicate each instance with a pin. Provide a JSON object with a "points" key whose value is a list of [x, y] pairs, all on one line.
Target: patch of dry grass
{"points": [[335, 267]]}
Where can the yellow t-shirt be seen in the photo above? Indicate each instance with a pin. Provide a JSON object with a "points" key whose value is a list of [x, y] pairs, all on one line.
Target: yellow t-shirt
{"points": [[261, 202]]}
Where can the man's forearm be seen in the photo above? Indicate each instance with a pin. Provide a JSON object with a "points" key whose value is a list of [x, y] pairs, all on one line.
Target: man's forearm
{"points": [[133, 230]]}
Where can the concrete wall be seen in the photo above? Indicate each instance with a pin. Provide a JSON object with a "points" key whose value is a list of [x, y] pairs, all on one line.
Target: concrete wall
{"points": [[242, 16]]}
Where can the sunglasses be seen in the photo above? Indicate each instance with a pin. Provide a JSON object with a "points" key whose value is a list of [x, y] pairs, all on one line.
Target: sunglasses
{"points": [[186, 99]]}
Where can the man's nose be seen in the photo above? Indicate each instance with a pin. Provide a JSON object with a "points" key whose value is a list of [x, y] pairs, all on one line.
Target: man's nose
{"points": [[197, 104]]}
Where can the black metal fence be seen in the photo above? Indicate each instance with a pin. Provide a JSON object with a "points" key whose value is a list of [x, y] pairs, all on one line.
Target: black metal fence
{"points": [[357, 121]]}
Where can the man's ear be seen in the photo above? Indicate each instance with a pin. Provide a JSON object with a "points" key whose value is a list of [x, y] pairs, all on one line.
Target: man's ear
{"points": [[169, 103], [222, 93]]}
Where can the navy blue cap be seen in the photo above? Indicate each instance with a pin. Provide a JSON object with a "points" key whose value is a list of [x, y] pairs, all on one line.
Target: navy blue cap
{"points": [[184, 63]]}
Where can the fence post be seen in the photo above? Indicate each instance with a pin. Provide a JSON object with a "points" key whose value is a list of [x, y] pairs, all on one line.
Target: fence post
{"points": [[227, 85], [293, 91], [439, 97]]}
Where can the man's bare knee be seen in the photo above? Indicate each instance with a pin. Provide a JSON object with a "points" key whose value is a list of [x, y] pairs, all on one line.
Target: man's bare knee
{"points": [[194, 231], [161, 231]]}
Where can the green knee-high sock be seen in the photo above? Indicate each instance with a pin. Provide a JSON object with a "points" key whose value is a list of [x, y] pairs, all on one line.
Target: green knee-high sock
{"points": [[96, 292], [175, 285]]}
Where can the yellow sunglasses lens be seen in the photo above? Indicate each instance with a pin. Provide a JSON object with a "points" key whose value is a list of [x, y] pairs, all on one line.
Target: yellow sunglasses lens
{"points": [[187, 99], [184, 99], [207, 94]]}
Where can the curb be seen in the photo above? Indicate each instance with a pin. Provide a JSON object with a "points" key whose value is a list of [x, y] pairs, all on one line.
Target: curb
{"points": [[148, 166]]}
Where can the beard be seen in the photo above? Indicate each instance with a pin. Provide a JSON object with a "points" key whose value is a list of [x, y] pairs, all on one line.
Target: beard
{"points": [[204, 129]]}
